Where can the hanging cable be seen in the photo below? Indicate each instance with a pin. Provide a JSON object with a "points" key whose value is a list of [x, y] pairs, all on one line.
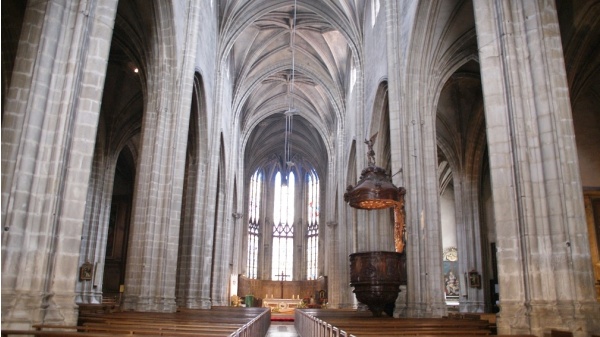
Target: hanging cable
{"points": [[293, 47], [291, 109]]}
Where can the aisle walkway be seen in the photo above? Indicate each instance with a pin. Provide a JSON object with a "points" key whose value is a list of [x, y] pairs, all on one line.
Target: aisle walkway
{"points": [[282, 329]]}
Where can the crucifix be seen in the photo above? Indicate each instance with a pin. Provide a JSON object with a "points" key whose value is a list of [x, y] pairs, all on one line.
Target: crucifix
{"points": [[282, 278]]}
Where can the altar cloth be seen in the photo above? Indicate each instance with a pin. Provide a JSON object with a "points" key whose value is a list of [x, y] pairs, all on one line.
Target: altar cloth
{"points": [[282, 304]]}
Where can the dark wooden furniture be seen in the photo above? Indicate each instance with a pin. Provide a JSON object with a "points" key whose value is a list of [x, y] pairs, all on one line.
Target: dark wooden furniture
{"points": [[219, 321], [263, 289], [376, 278]]}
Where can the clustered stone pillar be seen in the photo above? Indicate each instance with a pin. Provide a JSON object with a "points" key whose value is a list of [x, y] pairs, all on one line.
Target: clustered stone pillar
{"points": [[150, 279], [50, 115], [541, 234]]}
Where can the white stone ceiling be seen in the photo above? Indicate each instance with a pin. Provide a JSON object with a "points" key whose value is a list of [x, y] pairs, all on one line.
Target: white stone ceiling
{"points": [[262, 62]]}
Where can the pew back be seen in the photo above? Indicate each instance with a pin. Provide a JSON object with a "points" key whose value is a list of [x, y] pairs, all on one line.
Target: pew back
{"points": [[219, 321], [352, 323]]}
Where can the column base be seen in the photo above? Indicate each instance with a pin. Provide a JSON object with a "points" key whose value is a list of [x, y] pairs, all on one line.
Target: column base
{"points": [[151, 304], [20, 310], [539, 317]]}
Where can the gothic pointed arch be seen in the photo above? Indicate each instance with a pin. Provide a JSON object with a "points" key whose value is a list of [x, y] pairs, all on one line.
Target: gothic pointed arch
{"points": [[461, 140]]}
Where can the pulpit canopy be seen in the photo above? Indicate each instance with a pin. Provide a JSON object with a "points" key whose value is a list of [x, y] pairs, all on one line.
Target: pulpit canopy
{"points": [[374, 190]]}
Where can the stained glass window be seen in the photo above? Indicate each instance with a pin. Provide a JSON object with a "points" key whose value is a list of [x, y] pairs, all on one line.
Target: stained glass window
{"points": [[283, 228], [312, 247], [253, 223]]}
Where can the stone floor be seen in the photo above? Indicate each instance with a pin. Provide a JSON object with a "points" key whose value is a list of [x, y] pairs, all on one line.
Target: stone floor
{"points": [[282, 329]]}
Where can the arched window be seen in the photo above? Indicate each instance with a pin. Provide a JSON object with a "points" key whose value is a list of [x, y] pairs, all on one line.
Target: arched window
{"points": [[253, 223], [312, 246], [284, 196], [283, 228]]}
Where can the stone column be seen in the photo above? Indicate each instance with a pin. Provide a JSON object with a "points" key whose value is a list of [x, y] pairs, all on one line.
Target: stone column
{"points": [[207, 221], [414, 149], [192, 243], [341, 294], [221, 241], [347, 232], [300, 223], [48, 133], [94, 234], [545, 272], [265, 255], [340, 230], [150, 278], [396, 117], [469, 240]]}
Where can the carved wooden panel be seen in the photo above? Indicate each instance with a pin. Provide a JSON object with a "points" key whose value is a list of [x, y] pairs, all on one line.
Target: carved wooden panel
{"points": [[282, 289]]}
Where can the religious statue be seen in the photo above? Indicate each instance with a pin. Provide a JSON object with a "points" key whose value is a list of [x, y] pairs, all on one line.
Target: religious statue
{"points": [[370, 151]]}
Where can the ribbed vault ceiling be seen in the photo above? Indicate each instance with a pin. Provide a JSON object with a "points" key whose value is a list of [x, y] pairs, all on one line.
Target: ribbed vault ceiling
{"points": [[265, 85]]}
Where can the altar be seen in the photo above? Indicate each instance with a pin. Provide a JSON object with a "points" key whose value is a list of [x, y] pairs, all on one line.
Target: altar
{"points": [[284, 294], [281, 304]]}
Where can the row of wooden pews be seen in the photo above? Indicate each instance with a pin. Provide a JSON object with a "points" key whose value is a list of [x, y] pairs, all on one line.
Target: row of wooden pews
{"points": [[219, 321], [346, 323], [489, 317]]}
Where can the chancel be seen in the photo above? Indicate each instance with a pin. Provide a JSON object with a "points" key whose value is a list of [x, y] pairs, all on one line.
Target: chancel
{"points": [[199, 160], [272, 293]]}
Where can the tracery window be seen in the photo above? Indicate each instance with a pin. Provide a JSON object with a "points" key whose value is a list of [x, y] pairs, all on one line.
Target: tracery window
{"points": [[283, 189], [283, 228], [312, 246], [253, 223]]}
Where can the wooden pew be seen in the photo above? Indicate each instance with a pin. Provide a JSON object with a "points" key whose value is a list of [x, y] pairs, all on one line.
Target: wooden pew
{"points": [[97, 307], [344, 323], [163, 328], [185, 323], [209, 323], [56, 333], [489, 317]]}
